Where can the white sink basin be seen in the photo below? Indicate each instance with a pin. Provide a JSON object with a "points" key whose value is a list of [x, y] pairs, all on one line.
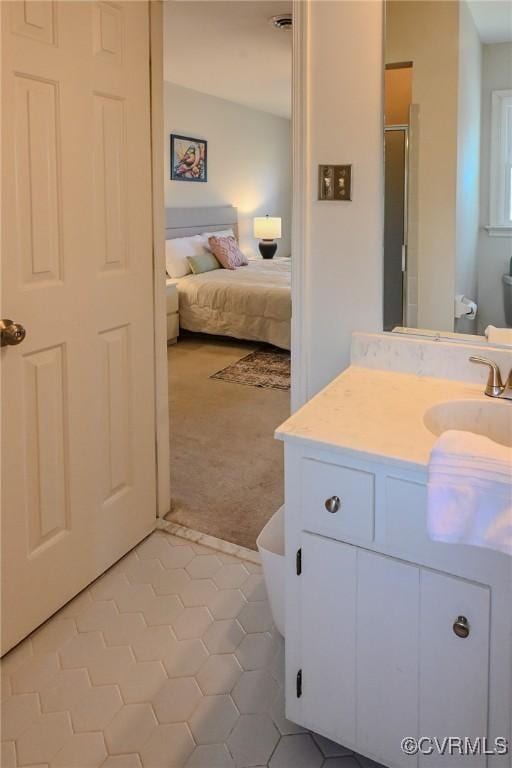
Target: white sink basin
{"points": [[492, 418]]}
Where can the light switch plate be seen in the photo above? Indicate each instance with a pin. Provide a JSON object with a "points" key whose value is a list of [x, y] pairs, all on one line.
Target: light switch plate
{"points": [[343, 182], [335, 182]]}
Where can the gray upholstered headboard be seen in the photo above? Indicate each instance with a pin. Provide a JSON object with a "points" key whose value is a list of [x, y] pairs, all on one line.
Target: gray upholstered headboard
{"points": [[184, 222]]}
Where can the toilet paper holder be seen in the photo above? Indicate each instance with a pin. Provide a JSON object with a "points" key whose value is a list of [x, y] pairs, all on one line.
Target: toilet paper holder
{"points": [[465, 307]]}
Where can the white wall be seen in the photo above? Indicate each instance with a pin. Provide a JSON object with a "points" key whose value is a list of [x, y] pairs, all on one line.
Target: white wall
{"points": [[249, 160], [342, 281], [468, 158], [494, 252]]}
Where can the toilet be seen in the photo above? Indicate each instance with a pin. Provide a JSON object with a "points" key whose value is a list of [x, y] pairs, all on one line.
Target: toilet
{"points": [[507, 298]]}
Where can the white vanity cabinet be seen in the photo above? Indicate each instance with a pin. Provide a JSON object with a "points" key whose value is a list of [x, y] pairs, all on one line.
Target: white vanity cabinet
{"points": [[384, 626], [377, 615]]}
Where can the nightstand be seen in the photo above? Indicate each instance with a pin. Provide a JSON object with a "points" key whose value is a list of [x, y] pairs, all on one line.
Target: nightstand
{"points": [[172, 305]]}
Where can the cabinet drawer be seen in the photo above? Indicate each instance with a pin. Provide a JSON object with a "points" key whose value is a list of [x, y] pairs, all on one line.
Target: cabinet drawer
{"points": [[172, 300], [173, 326], [354, 519]]}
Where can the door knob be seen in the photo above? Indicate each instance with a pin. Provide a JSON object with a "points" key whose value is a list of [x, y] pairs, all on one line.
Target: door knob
{"points": [[11, 333], [461, 627], [333, 504]]}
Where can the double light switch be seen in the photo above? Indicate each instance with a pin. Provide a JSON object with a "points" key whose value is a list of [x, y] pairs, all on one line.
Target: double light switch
{"points": [[334, 182]]}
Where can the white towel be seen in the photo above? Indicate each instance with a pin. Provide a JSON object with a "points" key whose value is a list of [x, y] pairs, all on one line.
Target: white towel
{"points": [[498, 335], [470, 491]]}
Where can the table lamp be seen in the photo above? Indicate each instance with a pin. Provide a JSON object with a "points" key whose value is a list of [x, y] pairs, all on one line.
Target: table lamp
{"points": [[268, 230]]}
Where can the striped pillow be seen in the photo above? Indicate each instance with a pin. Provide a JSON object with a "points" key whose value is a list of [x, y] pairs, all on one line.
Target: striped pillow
{"points": [[227, 252]]}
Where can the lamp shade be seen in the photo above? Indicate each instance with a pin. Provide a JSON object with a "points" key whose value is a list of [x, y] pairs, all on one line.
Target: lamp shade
{"points": [[267, 227]]}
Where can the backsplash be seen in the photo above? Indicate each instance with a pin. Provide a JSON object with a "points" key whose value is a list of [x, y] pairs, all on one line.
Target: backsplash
{"points": [[426, 357]]}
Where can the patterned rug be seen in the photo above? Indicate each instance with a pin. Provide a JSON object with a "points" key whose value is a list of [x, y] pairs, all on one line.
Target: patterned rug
{"points": [[268, 367]]}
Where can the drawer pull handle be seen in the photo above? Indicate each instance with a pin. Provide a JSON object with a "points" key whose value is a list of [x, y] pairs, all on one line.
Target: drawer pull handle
{"points": [[333, 504], [461, 627]]}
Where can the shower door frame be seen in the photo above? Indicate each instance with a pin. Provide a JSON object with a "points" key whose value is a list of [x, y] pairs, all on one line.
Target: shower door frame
{"points": [[405, 129]]}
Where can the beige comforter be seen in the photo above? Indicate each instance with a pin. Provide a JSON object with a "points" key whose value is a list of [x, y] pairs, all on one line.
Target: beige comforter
{"points": [[252, 302]]}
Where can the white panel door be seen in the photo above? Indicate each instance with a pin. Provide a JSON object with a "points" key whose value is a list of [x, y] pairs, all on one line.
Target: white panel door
{"points": [[328, 637], [387, 656], [78, 432], [454, 670]]}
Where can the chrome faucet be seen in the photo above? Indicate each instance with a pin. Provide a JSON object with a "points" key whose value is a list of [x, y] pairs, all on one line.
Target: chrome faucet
{"points": [[495, 386]]}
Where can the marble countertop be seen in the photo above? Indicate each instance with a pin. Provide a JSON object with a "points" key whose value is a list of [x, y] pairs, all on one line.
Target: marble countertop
{"points": [[375, 415]]}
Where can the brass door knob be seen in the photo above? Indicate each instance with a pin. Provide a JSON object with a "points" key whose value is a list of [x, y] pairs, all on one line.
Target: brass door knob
{"points": [[11, 333], [461, 626], [333, 504]]}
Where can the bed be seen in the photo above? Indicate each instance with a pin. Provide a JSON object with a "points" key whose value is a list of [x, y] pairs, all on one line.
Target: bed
{"points": [[251, 302]]}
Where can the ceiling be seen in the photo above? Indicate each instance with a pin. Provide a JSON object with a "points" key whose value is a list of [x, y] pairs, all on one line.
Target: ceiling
{"points": [[493, 20], [230, 50]]}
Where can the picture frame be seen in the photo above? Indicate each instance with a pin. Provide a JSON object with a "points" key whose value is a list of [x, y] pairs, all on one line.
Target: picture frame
{"points": [[189, 159]]}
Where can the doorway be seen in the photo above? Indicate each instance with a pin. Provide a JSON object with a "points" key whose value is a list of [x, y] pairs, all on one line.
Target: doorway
{"points": [[399, 290], [396, 160], [228, 135]]}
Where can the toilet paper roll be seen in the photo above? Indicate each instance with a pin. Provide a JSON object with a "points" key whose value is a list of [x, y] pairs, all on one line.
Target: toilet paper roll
{"points": [[499, 335]]}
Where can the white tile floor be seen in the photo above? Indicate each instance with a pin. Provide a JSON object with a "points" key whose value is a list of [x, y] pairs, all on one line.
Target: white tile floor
{"points": [[168, 660]]}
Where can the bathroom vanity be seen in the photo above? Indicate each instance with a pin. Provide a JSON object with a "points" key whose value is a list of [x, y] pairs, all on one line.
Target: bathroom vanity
{"points": [[390, 634]]}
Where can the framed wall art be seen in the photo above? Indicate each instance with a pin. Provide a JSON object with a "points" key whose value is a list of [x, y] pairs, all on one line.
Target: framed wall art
{"points": [[189, 161]]}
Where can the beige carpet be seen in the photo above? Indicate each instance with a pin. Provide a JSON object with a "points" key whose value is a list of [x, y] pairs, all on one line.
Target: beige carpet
{"points": [[226, 467]]}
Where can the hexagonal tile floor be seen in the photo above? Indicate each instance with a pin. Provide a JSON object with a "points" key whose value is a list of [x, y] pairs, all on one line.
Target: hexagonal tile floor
{"points": [[169, 660]]}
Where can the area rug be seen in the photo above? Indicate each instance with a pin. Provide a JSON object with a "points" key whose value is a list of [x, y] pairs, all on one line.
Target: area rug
{"points": [[268, 368]]}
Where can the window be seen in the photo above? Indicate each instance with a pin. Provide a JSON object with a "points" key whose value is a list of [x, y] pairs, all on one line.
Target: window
{"points": [[501, 164]]}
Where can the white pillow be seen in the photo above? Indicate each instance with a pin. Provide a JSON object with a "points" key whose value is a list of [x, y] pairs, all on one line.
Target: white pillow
{"points": [[176, 252], [221, 233]]}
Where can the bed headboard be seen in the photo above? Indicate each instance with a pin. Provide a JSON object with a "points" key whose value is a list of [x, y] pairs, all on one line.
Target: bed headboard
{"points": [[184, 222]]}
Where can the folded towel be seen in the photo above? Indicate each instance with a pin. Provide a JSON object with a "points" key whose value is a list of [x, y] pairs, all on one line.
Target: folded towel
{"points": [[470, 491], [498, 335]]}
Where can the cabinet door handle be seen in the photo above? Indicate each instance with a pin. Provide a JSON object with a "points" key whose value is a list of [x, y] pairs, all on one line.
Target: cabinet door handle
{"points": [[461, 626], [333, 504]]}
